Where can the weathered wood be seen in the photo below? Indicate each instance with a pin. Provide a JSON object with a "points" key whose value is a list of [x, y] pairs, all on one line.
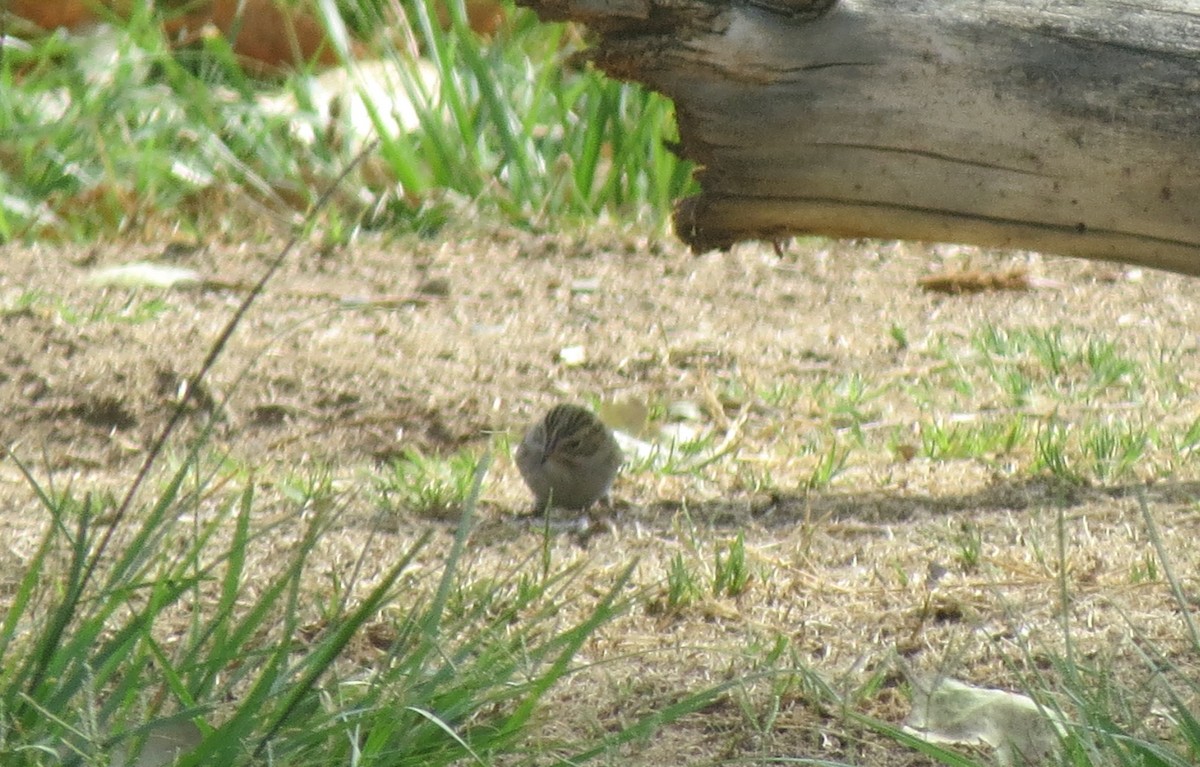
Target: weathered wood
{"points": [[1064, 126]]}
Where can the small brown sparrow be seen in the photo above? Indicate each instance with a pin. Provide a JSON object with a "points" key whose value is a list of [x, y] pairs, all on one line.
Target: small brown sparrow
{"points": [[569, 458]]}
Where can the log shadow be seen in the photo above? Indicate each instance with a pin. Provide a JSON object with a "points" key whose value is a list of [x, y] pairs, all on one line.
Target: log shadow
{"points": [[890, 507]]}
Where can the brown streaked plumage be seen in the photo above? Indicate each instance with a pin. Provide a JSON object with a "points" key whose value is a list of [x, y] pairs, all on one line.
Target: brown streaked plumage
{"points": [[568, 459]]}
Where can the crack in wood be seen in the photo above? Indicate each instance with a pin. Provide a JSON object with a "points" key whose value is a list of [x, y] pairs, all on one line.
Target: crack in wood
{"points": [[929, 155], [795, 10]]}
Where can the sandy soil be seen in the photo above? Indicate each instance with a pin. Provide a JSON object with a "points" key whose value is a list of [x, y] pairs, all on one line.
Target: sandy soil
{"points": [[357, 354]]}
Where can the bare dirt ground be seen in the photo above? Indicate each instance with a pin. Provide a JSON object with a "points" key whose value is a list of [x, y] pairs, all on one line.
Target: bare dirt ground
{"points": [[356, 354]]}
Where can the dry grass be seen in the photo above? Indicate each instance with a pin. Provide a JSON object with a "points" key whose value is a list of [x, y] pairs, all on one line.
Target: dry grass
{"points": [[953, 564]]}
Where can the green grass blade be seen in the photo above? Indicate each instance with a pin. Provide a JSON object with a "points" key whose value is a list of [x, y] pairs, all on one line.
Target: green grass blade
{"points": [[330, 648]]}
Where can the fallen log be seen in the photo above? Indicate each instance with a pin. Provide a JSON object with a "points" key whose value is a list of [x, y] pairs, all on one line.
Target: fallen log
{"points": [[1069, 127]]}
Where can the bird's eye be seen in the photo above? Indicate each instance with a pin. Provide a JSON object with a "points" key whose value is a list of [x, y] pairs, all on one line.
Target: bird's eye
{"points": [[576, 443]]}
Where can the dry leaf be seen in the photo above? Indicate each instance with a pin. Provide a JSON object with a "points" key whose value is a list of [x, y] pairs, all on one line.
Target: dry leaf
{"points": [[144, 274], [977, 281], [165, 742], [628, 415], [946, 710]]}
